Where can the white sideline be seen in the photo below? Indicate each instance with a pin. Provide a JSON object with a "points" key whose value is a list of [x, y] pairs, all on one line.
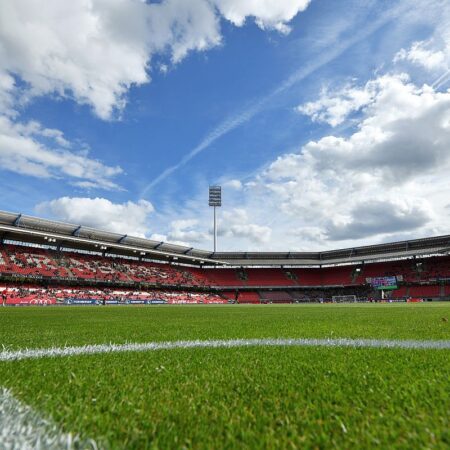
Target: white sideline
{"points": [[15, 355], [21, 428]]}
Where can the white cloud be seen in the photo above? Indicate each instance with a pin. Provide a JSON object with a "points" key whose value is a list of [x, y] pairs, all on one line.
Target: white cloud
{"points": [[186, 231], [420, 53], [30, 149], [127, 218], [335, 106], [236, 224], [404, 130], [7, 86], [94, 50], [268, 14], [233, 184], [432, 54], [233, 225], [158, 237], [377, 217], [238, 229]]}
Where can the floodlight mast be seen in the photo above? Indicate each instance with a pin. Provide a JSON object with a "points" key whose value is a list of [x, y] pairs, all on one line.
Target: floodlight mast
{"points": [[215, 200]]}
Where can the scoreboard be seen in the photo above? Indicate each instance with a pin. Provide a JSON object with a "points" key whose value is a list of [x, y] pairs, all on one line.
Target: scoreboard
{"points": [[383, 283]]}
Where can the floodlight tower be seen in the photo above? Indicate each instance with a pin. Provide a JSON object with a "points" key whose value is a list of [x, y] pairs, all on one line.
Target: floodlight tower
{"points": [[215, 200]]}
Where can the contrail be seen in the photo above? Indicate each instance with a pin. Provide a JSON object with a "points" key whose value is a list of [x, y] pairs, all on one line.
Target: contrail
{"points": [[441, 81], [250, 112], [54, 352]]}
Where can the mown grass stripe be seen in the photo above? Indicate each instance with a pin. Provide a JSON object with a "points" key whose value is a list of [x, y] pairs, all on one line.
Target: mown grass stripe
{"points": [[15, 355], [23, 428]]}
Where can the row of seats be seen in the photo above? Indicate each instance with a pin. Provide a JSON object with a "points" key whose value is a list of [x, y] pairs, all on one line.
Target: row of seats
{"points": [[303, 295], [411, 270], [19, 295], [433, 291], [31, 261], [41, 262]]}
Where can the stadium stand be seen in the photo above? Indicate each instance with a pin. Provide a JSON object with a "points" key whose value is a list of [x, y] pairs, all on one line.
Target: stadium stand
{"points": [[96, 265], [276, 297], [45, 263], [35, 295], [221, 277], [425, 278], [268, 277], [424, 291], [249, 297], [308, 277], [401, 292]]}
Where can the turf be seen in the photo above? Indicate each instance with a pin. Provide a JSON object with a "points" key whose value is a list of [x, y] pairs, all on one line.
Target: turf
{"points": [[241, 397], [48, 326]]}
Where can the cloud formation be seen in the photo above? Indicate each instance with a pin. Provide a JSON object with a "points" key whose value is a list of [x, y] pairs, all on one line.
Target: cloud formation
{"points": [[388, 177], [127, 218], [30, 149], [186, 232], [334, 107], [375, 217], [94, 51], [268, 14], [423, 54], [237, 224]]}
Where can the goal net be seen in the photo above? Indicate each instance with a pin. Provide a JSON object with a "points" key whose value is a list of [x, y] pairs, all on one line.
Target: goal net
{"points": [[344, 298]]}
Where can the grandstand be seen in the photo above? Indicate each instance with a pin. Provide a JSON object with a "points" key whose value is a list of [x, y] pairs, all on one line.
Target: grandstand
{"points": [[48, 262]]}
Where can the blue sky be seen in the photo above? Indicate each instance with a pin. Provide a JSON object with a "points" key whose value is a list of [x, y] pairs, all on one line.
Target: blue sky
{"points": [[314, 116]]}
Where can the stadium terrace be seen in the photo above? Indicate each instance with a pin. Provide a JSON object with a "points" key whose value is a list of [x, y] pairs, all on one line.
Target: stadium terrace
{"points": [[47, 262]]}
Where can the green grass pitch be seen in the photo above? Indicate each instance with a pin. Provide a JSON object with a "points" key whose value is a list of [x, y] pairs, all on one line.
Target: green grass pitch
{"points": [[259, 397]]}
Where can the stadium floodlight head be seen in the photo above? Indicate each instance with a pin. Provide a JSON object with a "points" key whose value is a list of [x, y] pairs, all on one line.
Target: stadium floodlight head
{"points": [[215, 196], [215, 200]]}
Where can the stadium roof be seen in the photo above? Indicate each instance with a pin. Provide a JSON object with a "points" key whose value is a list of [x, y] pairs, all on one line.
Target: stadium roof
{"points": [[20, 227], [30, 229]]}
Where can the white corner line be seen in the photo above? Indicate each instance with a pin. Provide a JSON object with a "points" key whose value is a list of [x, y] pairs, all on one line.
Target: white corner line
{"points": [[22, 428], [16, 355]]}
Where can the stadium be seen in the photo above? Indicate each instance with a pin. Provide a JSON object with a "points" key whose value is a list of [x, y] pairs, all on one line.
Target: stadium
{"points": [[133, 343], [48, 262], [224, 224]]}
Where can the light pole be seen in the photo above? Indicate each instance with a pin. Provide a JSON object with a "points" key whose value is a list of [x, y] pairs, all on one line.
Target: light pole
{"points": [[215, 200]]}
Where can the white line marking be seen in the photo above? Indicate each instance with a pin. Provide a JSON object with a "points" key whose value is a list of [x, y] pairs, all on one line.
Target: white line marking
{"points": [[21, 428], [15, 355]]}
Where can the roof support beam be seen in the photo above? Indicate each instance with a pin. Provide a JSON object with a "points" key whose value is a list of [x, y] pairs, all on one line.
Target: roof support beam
{"points": [[16, 222], [122, 238], [76, 232], [60, 245]]}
